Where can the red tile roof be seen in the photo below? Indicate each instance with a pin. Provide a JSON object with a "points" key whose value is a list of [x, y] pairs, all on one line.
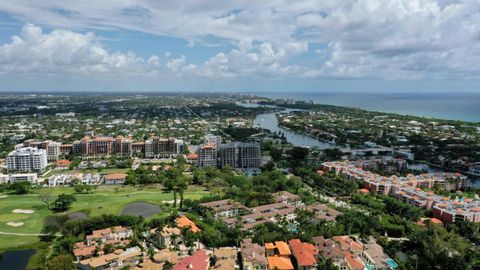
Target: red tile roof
{"points": [[436, 221], [84, 251], [347, 243], [353, 263], [63, 162], [304, 252], [283, 248], [183, 221], [115, 176], [198, 261], [279, 263], [192, 156]]}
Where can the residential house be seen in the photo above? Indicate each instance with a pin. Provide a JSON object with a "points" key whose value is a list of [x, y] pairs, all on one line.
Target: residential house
{"points": [[279, 263], [184, 221], [305, 254], [226, 258], [109, 235], [198, 261], [279, 248], [115, 178], [253, 256], [329, 249], [375, 258], [168, 236], [116, 260]]}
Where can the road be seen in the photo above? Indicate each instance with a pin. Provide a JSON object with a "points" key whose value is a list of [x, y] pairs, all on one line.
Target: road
{"points": [[24, 234]]}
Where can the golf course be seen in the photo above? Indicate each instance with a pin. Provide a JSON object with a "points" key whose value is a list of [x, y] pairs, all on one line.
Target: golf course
{"points": [[22, 216]]}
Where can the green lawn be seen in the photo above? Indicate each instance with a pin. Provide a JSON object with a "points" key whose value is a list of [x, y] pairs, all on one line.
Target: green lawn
{"points": [[105, 200], [12, 242]]}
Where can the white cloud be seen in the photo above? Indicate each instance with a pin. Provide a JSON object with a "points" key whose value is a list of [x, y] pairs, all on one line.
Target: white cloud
{"points": [[62, 51], [395, 39], [177, 63]]}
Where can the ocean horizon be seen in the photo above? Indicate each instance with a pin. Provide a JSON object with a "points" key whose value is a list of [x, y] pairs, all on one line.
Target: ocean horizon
{"points": [[463, 106]]}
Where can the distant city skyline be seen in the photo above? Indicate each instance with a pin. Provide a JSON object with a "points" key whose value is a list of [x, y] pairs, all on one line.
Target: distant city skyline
{"points": [[240, 46]]}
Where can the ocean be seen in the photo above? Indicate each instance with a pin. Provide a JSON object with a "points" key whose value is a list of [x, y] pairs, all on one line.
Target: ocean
{"points": [[452, 106]]}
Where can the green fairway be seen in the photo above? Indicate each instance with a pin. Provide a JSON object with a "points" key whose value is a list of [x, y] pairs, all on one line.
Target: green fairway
{"points": [[106, 200], [12, 242]]}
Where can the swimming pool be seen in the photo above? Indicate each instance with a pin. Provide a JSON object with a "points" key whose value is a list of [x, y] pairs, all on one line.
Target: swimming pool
{"points": [[392, 263]]}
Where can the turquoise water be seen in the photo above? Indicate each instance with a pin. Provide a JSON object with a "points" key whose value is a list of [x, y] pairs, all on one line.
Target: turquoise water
{"points": [[392, 263], [454, 105]]}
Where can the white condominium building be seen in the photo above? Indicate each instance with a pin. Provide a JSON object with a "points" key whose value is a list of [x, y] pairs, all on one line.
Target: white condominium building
{"points": [[27, 159], [213, 139], [53, 150], [19, 177]]}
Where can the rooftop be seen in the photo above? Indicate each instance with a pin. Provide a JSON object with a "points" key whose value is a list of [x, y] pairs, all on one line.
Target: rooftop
{"points": [[198, 261], [279, 263], [183, 221]]}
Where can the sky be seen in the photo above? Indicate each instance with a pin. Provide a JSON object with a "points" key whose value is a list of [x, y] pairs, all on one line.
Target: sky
{"points": [[240, 45]]}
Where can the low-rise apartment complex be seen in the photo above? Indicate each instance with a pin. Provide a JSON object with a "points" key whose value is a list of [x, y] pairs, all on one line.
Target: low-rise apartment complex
{"points": [[284, 206], [410, 189]]}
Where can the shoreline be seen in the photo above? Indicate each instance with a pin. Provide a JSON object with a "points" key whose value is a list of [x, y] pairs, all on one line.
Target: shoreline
{"points": [[459, 106]]}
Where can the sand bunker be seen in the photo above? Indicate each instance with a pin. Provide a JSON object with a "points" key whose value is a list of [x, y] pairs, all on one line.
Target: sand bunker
{"points": [[171, 202], [23, 211], [15, 224]]}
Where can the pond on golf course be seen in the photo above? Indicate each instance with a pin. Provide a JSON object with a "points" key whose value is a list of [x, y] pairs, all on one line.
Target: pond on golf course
{"points": [[15, 260], [140, 209], [59, 220]]}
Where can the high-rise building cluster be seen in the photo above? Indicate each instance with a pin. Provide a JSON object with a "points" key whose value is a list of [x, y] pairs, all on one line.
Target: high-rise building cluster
{"points": [[102, 146], [213, 139], [99, 146], [237, 155], [157, 147], [52, 148], [240, 155], [207, 156]]}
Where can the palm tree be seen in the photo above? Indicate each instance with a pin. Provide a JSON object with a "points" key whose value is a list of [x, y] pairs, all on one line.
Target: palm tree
{"points": [[170, 185], [181, 186], [167, 265]]}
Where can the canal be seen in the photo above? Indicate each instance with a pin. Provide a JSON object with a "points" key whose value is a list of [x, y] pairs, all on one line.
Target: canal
{"points": [[269, 121]]}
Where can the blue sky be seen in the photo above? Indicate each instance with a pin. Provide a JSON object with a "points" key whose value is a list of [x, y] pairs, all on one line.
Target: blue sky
{"points": [[270, 45]]}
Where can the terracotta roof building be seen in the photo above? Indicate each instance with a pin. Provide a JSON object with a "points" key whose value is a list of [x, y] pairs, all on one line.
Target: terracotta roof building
{"points": [[279, 248], [304, 253], [183, 221], [279, 263], [126, 257], [109, 235], [198, 261], [63, 163], [115, 178]]}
